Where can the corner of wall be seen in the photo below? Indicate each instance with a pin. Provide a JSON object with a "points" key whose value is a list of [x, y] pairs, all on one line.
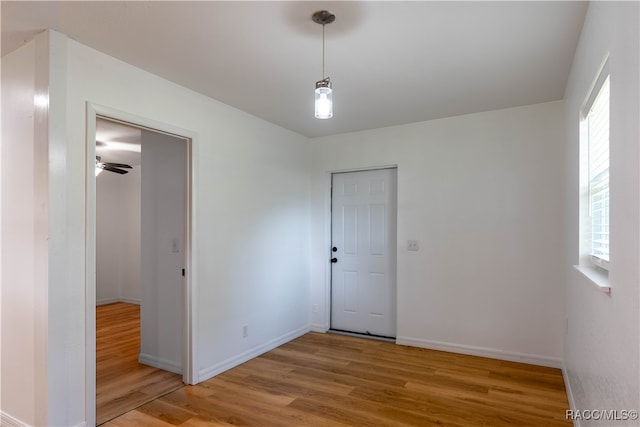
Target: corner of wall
{"points": [[7, 420], [211, 371], [569, 390]]}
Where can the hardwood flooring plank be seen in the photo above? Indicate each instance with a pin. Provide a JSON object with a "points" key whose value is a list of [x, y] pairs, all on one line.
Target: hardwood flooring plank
{"points": [[270, 381], [231, 389], [166, 412], [437, 407], [337, 380], [123, 384], [509, 385], [341, 412], [354, 370], [136, 418]]}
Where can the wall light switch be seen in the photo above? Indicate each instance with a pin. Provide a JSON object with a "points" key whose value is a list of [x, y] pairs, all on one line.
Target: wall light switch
{"points": [[412, 245], [175, 248]]}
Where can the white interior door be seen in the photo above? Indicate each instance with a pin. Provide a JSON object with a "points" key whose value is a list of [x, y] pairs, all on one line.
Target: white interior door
{"points": [[164, 162], [363, 268]]}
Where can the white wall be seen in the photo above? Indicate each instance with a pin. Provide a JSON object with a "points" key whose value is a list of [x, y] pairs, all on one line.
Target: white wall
{"points": [[164, 196], [482, 195], [118, 237], [19, 240], [601, 352], [251, 213]]}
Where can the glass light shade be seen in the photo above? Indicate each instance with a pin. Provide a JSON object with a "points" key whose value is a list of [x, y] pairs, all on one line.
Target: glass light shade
{"points": [[324, 99]]}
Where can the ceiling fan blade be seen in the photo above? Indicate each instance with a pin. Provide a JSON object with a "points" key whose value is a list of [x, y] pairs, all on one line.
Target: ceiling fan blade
{"points": [[110, 168], [118, 165]]}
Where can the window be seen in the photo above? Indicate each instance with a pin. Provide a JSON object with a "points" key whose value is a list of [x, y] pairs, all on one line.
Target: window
{"points": [[596, 133], [598, 128]]}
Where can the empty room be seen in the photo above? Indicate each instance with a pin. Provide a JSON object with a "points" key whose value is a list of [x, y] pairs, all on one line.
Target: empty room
{"points": [[388, 213]]}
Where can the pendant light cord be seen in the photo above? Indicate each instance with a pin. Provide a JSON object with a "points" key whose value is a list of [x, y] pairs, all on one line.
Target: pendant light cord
{"points": [[322, 51]]}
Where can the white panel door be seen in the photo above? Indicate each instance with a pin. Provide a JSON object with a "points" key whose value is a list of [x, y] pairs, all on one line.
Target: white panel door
{"points": [[363, 253]]}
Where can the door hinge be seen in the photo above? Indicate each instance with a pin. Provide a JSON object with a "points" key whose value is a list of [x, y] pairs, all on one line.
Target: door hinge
{"points": [[183, 272]]}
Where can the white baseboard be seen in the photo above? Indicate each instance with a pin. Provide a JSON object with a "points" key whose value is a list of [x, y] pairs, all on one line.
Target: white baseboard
{"points": [[533, 359], [319, 328], [567, 386], [106, 301], [218, 368], [7, 420], [157, 362]]}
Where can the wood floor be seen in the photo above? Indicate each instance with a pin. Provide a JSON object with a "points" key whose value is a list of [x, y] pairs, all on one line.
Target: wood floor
{"points": [[123, 384], [334, 380]]}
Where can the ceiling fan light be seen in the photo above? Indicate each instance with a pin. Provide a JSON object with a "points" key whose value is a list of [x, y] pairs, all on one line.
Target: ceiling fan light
{"points": [[324, 99]]}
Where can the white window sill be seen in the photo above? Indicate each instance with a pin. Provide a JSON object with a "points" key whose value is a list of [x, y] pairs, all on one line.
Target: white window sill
{"points": [[595, 275]]}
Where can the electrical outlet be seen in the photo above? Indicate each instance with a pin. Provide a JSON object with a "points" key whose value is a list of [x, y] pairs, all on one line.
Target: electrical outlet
{"points": [[413, 245], [245, 331], [315, 308]]}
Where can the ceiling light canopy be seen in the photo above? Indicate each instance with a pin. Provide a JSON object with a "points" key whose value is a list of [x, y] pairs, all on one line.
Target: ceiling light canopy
{"points": [[323, 91]]}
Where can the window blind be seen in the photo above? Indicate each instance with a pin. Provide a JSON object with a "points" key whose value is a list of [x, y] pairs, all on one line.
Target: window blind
{"points": [[598, 128]]}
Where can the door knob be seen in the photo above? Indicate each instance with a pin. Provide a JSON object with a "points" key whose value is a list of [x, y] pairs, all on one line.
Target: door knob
{"points": [[334, 260]]}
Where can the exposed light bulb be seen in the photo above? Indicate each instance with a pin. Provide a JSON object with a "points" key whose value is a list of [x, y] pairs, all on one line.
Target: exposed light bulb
{"points": [[324, 99]]}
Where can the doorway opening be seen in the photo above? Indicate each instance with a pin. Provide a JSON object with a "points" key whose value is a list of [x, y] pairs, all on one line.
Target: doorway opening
{"points": [[139, 262], [140, 229], [363, 252]]}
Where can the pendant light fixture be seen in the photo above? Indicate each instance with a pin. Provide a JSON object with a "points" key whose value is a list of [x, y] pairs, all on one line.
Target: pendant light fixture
{"points": [[323, 92]]}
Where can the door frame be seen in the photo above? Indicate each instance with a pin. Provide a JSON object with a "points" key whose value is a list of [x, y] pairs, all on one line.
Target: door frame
{"points": [[189, 333], [329, 228]]}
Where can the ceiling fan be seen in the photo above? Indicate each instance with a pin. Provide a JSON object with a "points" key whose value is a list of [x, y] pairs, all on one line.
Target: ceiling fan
{"points": [[111, 167]]}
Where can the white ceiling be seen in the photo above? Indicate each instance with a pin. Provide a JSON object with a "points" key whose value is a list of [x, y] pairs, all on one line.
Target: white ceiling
{"points": [[118, 143], [390, 62]]}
